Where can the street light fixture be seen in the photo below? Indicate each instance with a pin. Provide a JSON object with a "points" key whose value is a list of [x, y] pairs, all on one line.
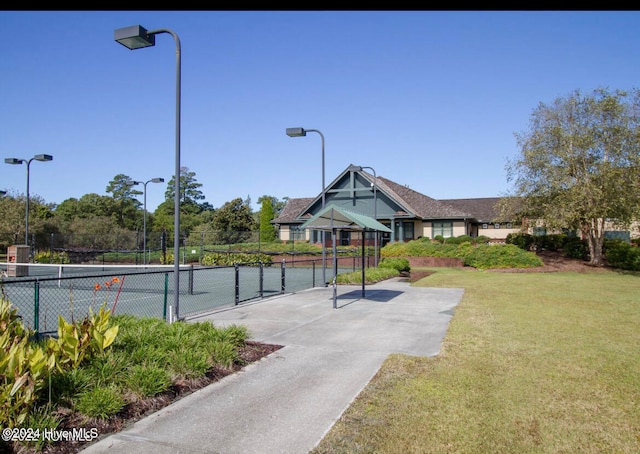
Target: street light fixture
{"points": [[144, 222], [301, 132], [375, 205], [38, 157], [137, 37]]}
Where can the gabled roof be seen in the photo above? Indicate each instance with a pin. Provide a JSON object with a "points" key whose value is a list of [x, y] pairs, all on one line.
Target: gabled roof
{"points": [[412, 203], [332, 217]]}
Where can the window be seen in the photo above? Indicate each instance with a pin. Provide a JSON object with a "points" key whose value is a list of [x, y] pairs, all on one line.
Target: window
{"points": [[496, 225], [444, 229], [403, 230], [485, 226], [509, 225], [345, 238]]}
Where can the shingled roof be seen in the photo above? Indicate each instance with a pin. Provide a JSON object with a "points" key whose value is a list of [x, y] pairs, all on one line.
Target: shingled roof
{"points": [[292, 210], [483, 209], [414, 204], [422, 206]]}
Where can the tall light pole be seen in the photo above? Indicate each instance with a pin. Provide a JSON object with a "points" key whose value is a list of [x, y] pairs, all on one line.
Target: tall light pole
{"points": [[144, 217], [375, 205], [301, 132], [38, 157], [136, 37]]}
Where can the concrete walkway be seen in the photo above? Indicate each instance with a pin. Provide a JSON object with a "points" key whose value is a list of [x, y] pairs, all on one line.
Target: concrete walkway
{"points": [[288, 401]]}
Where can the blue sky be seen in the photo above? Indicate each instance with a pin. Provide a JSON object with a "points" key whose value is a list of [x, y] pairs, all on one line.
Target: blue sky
{"points": [[429, 99]]}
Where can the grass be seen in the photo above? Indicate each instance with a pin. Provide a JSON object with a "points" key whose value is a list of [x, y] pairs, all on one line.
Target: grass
{"points": [[531, 363]]}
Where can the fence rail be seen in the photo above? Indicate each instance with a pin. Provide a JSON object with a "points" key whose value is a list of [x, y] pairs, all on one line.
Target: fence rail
{"points": [[42, 299]]}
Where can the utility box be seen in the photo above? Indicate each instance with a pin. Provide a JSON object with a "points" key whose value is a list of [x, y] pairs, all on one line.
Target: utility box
{"points": [[17, 254]]}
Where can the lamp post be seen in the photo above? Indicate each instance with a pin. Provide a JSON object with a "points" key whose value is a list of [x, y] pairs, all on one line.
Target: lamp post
{"points": [[375, 205], [136, 37], [38, 157], [144, 216], [301, 132]]}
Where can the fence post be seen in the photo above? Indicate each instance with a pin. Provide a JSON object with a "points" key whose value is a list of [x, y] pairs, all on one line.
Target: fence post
{"points": [[166, 292], [313, 275], [191, 279], [36, 307], [282, 273], [237, 296], [261, 279]]}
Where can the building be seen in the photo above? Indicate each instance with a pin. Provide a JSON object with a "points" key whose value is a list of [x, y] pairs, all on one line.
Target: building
{"points": [[407, 213]]}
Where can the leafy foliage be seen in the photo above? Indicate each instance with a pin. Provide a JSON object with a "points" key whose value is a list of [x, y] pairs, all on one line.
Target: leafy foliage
{"points": [[396, 263], [482, 256], [230, 259], [576, 157], [620, 254], [267, 229], [371, 276], [232, 221], [23, 367]]}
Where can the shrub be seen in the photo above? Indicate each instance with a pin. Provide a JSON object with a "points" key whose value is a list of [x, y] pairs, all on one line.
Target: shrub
{"points": [[459, 239], [230, 259], [575, 248], [620, 254], [371, 275], [549, 242], [397, 263], [48, 257], [500, 256], [522, 240]]}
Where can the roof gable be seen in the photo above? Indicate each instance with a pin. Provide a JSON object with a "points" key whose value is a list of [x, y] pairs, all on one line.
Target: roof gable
{"points": [[410, 203]]}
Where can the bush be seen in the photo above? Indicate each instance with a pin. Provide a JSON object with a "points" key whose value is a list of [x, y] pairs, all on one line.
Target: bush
{"points": [[620, 254], [549, 242], [523, 240], [481, 256], [48, 257], [230, 259], [459, 239], [500, 256], [371, 276], [397, 263], [575, 248]]}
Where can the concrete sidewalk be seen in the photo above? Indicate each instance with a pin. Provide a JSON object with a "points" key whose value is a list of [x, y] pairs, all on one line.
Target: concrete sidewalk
{"points": [[288, 401]]}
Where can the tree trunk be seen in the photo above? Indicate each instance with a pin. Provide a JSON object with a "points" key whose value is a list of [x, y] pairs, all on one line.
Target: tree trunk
{"points": [[594, 231]]}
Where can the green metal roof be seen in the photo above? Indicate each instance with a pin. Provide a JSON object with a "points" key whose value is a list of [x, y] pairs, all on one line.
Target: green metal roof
{"points": [[333, 217]]}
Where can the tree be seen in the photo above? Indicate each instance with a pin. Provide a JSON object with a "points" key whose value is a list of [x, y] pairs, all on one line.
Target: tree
{"points": [[233, 221], [579, 165], [127, 206], [12, 220], [267, 229], [190, 192], [122, 188], [278, 205]]}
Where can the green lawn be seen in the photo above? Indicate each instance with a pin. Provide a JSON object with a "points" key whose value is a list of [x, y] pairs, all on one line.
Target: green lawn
{"points": [[531, 363]]}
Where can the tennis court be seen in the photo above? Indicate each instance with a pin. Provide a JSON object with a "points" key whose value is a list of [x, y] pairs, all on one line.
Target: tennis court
{"points": [[71, 291]]}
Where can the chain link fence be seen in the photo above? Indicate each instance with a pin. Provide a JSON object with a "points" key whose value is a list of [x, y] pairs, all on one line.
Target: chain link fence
{"points": [[41, 297]]}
